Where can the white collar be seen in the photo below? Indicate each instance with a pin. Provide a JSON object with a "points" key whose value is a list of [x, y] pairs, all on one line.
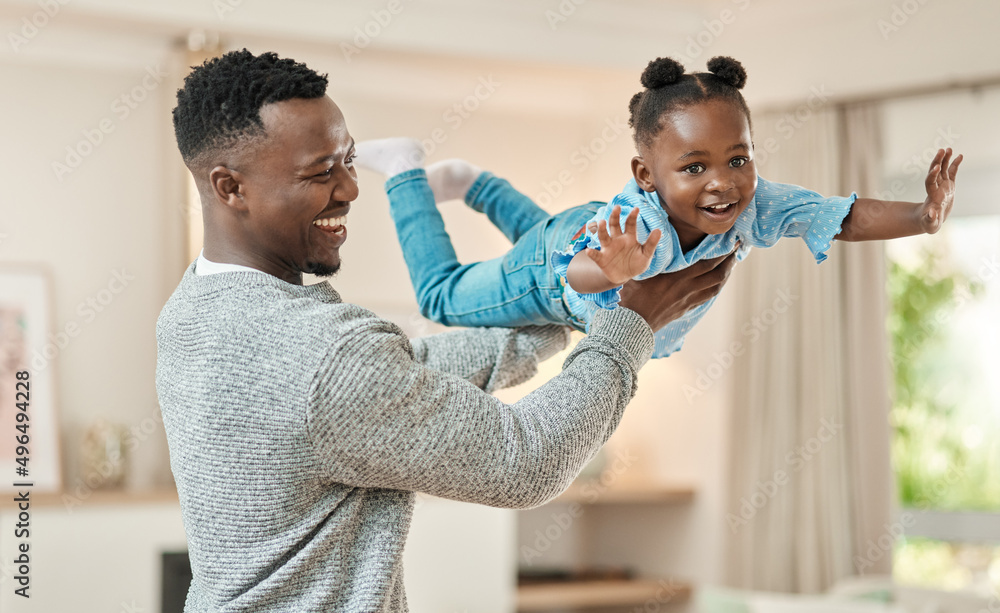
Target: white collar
{"points": [[204, 266]]}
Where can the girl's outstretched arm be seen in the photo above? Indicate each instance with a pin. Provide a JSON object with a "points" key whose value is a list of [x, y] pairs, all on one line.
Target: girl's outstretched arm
{"points": [[872, 220], [620, 257]]}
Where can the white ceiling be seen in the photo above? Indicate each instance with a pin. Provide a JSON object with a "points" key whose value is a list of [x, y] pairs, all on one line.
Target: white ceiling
{"points": [[847, 47]]}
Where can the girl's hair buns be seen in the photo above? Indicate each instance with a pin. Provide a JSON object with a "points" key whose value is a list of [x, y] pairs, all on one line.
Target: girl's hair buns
{"points": [[661, 71], [667, 88], [729, 70]]}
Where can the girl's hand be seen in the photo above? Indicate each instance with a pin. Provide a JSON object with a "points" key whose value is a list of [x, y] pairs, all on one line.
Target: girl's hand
{"points": [[940, 184], [621, 255]]}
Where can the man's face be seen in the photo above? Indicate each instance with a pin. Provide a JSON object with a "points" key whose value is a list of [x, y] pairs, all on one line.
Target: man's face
{"points": [[302, 173], [701, 166]]}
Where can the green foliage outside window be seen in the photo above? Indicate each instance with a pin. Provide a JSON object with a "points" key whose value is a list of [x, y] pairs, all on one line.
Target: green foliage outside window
{"points": [[934, 469]]}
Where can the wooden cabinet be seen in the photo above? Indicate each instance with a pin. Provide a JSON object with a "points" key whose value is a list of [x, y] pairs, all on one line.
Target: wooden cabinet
{"points": [[458, 555], [99, 553]]}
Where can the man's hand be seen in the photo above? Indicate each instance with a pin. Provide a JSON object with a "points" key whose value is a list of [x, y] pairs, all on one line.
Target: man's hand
{"points": [[940, 184], [621, 255], [666, 297]]}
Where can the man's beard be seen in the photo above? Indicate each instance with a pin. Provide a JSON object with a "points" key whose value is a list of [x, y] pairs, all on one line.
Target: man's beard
{"points": [[320, 269]]}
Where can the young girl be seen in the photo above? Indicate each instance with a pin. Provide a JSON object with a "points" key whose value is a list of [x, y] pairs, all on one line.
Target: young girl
{"points": [[695, 194]]}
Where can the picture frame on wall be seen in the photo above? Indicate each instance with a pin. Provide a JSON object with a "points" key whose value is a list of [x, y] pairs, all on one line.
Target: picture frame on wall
{"points": [[28, 344]]}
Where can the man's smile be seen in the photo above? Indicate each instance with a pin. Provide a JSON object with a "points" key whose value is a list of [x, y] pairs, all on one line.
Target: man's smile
{"points": [[334, 228], [334, 224]]}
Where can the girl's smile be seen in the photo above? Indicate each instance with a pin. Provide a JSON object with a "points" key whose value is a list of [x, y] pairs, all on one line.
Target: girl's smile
{"points": [[701, 166]]}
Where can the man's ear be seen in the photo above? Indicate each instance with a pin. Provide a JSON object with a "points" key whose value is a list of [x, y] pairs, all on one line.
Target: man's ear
{"points": [[227, 187], [642, 175]]}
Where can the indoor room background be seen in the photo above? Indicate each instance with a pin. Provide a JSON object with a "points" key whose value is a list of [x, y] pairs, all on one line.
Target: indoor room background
{"points": [[847, 95]]}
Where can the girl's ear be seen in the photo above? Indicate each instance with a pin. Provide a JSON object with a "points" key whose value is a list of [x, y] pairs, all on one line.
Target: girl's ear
{"points": [[642, 175]]}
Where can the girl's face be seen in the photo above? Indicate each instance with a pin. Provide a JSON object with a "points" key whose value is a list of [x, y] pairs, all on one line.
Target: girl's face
{"points": [[701, 166]]}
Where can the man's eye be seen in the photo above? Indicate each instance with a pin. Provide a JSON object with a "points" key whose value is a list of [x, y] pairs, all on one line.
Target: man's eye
{"points": [[694, 169], [737, 162], [350, 159], [325, 173]]}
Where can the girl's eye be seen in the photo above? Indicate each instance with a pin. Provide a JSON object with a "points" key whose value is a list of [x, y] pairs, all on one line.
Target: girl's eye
{"points": [[694, 169], [737, 162]]}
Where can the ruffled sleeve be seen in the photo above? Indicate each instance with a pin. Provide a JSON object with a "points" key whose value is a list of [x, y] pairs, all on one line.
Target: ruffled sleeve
{"points": [[585, 239], [790, 210]]}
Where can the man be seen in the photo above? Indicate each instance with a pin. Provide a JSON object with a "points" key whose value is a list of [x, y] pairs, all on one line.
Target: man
{"points": [[300, 427]]}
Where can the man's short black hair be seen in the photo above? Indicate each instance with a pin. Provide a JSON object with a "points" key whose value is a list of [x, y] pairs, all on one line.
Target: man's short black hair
{"points": [[221, 99]]}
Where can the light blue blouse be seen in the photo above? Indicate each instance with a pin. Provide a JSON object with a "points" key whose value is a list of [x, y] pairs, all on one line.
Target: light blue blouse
{"points": [[776, 210]]}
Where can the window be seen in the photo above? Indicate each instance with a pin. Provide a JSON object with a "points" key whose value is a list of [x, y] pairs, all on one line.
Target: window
{"points": [[944, 324]]}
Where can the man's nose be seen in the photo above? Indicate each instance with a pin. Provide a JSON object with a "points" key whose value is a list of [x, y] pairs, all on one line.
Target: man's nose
{"points": [[347, 186]]}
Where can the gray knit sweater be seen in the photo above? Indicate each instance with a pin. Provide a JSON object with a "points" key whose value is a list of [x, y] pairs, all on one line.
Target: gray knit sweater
{"points": [[300, 426]]}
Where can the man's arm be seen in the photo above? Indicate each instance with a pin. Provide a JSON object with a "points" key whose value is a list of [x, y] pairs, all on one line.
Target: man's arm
{"points": [[380, 419], [491, 358], [871, 219]]}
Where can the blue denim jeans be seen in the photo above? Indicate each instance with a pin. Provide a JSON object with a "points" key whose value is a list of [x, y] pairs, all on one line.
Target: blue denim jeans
{"points": [[516, 289]]}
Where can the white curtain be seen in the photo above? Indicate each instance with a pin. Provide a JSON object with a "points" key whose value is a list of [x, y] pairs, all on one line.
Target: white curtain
{"points": [[810, 481]]}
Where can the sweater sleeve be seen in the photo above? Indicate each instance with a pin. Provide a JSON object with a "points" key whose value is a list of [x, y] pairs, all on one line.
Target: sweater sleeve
{"points": [[378, 418], [491, 358]]}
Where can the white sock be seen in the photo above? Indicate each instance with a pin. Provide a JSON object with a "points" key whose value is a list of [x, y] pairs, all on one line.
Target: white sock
{"points": [[390, 156], [451, 179]]}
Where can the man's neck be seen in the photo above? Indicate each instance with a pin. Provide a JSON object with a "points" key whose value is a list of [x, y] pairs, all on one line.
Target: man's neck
{"points": [[213, 252]]}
